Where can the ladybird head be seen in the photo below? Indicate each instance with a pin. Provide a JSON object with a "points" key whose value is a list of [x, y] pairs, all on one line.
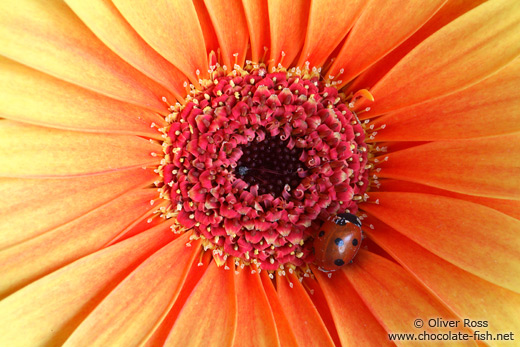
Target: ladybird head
{"points": [[344, 218]]}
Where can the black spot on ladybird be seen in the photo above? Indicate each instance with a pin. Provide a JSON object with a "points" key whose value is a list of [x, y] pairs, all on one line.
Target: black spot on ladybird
{"points": [[321, 233], [339, 262], [339, 242], [354, 242]]}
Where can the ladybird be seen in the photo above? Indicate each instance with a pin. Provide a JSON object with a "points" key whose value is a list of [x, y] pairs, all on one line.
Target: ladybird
{"points": [[337, 242]]}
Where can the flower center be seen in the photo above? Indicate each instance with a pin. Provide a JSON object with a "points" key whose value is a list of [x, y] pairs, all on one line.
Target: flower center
{"points": [[255, 161], [270, 164]]}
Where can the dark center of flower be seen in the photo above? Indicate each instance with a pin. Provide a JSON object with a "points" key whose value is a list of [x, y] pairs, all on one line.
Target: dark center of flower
{"points": [[255, 160], [270, 164]]}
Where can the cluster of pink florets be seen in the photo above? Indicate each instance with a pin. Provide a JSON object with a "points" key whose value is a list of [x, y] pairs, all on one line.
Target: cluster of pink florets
{"points": [[207, 137]]}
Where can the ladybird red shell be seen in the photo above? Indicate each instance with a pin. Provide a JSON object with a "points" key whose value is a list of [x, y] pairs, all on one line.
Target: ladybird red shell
{"points": [[337, 243]]}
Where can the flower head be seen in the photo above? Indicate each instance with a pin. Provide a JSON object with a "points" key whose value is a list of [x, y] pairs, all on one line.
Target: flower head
{"points": [[254, 158]]}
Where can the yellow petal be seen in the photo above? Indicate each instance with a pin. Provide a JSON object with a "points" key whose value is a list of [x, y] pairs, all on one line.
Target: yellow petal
{"points": [[338, 17], [376, 33], [54, 305], [39, 256], [212, 305], [483, 167], [230, 25], [172, 29], [105, 21], [32, 206], [475, 238], [131, 310], [469, 296], [37, 98], [462, 53], [50, 38], [30, 151]]}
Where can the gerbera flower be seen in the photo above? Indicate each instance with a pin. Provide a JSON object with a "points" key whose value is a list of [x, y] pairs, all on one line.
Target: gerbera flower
{"points": [[167, 167]]}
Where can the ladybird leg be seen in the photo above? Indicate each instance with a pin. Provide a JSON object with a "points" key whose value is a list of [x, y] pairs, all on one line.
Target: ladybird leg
{"points": [[324, 270]]}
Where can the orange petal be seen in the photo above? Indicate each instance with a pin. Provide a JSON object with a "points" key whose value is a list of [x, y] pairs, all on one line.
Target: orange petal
{"points": [[54, 305], [257, 17], [230, 25], [481, 42], [509, 207], [473, 237], [394, 297], [288, 23], [24, 262], [398, 146], [359, 326], [172, 29], [467, 295], [30, 151], [449, 12], [113, 30], [320, 302], [488, 108], [148, 220], [338, 17], [50, 38], [160, 333], [212, 306], [305, 320], [254, 316], [210, 37], [483, 167], [31, 207], [375, 34], [132, 309], [285, 331], [38, 98]]}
